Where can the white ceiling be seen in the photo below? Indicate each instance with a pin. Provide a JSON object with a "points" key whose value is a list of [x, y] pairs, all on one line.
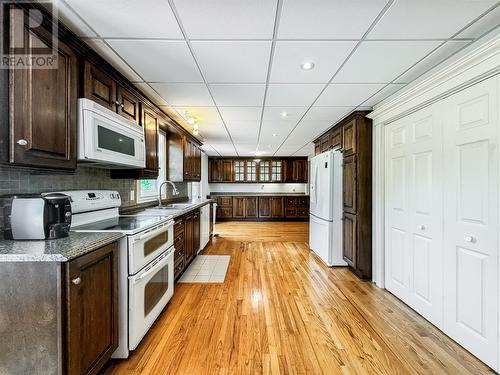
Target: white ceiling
{"points": [[234, 65]]}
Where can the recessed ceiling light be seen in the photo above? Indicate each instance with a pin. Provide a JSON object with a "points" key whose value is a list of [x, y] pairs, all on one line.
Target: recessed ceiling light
{"points": [[275, 135], [284, 114], [191, 120], [307, 65]]}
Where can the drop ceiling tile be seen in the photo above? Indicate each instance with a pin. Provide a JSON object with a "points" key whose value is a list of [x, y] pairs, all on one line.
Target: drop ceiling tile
{"points": [[382, 61], [283, 114], [383, 94], [241, 113], [483, 25], [307, 150], [243, 131], [331, 114], [154, 96], [347, 95], [214, 132], [249, 149], [159, 60], [232, 95], [326, 19], [326, 56], [410, 19], [111, 57], [72, 20], [292, 95], [202, 115], [224, 148], [307, 131], [227, 19], [436, 57], [276, 131], [295, 150], [226, 61], [184, 94], [129, 18]]}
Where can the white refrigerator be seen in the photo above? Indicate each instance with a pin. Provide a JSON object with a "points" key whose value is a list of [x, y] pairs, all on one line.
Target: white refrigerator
{"points": [[326, 211]]}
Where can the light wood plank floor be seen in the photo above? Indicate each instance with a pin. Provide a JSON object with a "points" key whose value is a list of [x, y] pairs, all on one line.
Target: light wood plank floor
{"points": [[281, 311]]}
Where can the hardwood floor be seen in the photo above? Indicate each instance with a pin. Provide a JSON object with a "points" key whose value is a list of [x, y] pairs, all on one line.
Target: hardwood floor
{"points": [[281, 311]]}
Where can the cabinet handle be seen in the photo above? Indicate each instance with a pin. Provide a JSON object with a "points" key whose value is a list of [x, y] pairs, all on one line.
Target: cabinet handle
{"points": [[117, 102], [121, 105], [76, 281], [22, 142], [470, 239]]}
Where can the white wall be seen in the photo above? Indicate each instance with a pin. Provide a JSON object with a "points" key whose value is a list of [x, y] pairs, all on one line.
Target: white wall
{"points": [[257, 188]]}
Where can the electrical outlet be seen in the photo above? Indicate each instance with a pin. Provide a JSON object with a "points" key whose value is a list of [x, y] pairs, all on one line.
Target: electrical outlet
{"points": [[132, 195]]}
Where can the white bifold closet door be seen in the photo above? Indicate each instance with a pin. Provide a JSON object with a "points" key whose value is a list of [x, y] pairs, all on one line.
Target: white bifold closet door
{"points": [[441, 229], [471, 219], [414, 251]]}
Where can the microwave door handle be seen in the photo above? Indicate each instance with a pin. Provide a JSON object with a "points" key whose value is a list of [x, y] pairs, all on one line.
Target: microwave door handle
{"points": [[160, 263]]}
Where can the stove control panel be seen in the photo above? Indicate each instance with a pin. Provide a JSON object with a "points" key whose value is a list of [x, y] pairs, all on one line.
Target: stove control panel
{"points": [[92, 200]]}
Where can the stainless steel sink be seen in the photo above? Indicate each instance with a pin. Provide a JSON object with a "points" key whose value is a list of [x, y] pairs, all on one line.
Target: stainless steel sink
{"points": [[174, 206]]}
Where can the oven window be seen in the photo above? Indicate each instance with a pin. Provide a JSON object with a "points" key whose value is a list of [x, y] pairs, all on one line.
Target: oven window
{"points": [[153, 244], [113, 141], [155, 289]]}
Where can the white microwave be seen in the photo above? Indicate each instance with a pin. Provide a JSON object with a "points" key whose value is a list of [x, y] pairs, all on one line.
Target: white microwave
{"points": [[107, 140]]}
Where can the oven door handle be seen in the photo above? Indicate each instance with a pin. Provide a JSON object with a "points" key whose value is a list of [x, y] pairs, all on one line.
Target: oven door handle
{"points": [[154, 231], [156, 265]]}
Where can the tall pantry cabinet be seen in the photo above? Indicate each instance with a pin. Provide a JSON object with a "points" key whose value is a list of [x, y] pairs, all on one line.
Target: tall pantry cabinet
{"points": [[441, 215]]}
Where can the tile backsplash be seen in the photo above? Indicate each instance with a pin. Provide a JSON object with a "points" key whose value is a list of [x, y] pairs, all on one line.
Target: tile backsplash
{"points": [[13, 180]]}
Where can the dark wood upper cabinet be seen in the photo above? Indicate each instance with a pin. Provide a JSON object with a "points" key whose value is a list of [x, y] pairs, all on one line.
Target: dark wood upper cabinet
{"points": [[91, 289], [349, 137], [99, 86], [192, 161], [300, 170], [336, 139], [43, 107], [227, 171], [128, 105], [150, 125]]}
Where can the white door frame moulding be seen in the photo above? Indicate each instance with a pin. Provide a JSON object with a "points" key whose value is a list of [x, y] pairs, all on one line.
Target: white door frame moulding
{"points": [[479, 61]]}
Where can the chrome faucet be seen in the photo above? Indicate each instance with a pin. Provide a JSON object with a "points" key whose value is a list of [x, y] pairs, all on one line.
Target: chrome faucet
{"points": [[174, 190]]}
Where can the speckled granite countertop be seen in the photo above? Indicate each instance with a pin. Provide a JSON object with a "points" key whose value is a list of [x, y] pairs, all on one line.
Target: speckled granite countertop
{"points": [[172, 211], [59, 250], [233, 194]]}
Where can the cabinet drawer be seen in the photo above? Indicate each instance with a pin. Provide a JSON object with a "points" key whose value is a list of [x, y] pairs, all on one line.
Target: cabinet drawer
{"points": [[302, 212], [290, 201], [226, 212], [290, 212], [178, 227], [303, 202], [179, 253], [178, 269], [226, 201]]}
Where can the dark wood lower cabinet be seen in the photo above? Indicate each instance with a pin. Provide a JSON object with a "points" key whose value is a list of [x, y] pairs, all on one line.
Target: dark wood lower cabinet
{"points": [[196, 233], [251, 207], [188, 237], [238, 207], [350, 239], [186, 240], [277, 207], [91, 290], [265, 207]]}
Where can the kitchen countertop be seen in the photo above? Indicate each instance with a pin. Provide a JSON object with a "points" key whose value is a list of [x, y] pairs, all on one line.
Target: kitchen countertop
{"points": [[171, 212], [260, 194], [58, 250]]}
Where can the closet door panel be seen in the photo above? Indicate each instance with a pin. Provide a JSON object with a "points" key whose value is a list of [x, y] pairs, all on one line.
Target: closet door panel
{"points": [[471, 228], [396, 212]]}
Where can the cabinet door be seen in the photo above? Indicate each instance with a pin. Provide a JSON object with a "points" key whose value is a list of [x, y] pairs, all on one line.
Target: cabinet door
{"points": [[188, 161], [251, 207], [350, 242], [265, 171], [317, 148], [336, 138], [99, 86], [128, 105], [43, 107], [196, 233], [150, 124], [277, 207], [349, 138], [238, 207], [215, 170], [288, 175], [300, 170], [264, 207], [350, 184], [227, 170], [197, 170], [92, 310], [188, 238]]}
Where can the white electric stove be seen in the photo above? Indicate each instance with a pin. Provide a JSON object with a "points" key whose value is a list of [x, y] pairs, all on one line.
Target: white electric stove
{"points": [[146, 260]]}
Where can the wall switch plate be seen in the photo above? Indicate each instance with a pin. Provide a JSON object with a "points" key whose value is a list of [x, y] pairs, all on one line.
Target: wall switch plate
{"points": [[132, 195]]}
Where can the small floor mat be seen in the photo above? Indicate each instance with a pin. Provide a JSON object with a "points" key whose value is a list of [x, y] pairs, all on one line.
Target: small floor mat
{"points": [[206, 269]]}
